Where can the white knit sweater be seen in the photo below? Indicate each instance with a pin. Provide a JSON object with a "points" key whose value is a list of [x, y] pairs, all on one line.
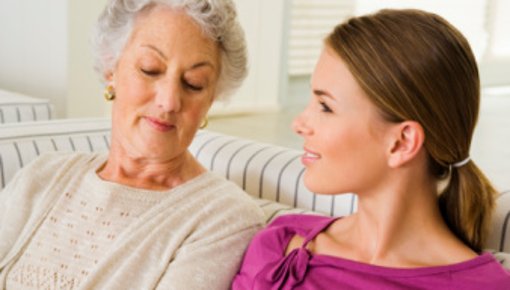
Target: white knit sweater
{"points": [[62, 227]]}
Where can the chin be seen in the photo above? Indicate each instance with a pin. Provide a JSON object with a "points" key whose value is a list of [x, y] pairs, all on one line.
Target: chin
{"points": [[320, 186], [314, 184]]}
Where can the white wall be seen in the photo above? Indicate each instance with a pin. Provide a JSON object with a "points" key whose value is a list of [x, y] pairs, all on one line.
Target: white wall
{"points": [[45, 52], [264, 28], [33, 49], [263, 23], [470, 21], [473, 18], [495, 68], [85, 91]]}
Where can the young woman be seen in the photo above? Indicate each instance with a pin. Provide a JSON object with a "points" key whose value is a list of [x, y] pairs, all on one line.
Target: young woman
{"points": [[395, 102]]}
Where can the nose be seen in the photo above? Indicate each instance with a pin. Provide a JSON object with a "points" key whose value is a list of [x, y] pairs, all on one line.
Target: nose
{"points": [[169, 96], [300, 126]]}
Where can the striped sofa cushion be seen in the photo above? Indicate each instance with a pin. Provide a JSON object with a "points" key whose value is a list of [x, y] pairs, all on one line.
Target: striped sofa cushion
{"points": [[273, 175], [20, 143], [265, 171], [16, 107], [500, 234]]}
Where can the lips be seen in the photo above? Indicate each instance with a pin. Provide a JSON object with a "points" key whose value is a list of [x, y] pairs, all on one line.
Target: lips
{"points": [[309, 157], [160, 125]]}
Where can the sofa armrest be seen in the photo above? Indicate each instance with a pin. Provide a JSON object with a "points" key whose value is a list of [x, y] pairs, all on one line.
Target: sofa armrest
{"points": [[15, 107], [20, 143]]}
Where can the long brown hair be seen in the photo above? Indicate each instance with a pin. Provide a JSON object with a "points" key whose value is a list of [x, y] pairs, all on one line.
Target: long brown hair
{"points": [[414, 65]]}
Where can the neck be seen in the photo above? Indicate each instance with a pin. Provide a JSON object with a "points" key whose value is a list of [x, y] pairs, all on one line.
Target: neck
{"points": [[149, 173], [401, 225]]}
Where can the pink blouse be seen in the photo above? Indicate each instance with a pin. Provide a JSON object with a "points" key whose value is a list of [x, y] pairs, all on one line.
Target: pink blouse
{"points": [[266, 267]]}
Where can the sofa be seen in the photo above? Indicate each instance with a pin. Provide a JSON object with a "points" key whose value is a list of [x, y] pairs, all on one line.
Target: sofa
{"points": [[271, 174], [16, 107]]}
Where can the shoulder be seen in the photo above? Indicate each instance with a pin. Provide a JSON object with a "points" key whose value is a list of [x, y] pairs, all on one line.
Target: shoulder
{"points": [[225, 197], [301, 223], [269, 245], [222, 205], [52, 167], [494, 274], [276, 236], [53, 161], [483, 272], [283, 228], [44, 171]]}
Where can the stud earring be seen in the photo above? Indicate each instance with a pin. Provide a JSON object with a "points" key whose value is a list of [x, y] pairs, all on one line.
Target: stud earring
{"points": [[109, 93]]}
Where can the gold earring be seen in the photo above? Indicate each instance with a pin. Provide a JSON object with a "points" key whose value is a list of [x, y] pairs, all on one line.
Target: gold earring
{"points": [[109, 93], [205, 122]]}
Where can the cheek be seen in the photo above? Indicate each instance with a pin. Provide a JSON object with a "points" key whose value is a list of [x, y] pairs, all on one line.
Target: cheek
{"points": [[134, 90], [129, 84], [194, 112], [348, 153], [202, 104]]}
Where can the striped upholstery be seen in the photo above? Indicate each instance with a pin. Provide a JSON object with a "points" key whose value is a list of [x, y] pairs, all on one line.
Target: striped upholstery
{"points": [[265, 171], [271, 174], [20, 143], [16, 108], [500, 236]]}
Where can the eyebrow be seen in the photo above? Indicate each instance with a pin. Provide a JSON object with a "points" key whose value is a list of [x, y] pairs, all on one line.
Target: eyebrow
{"points": [[156, 50], [197, 65], [323, 93], [201, 64]]}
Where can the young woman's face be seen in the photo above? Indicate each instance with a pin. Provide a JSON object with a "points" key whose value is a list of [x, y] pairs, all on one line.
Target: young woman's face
{"points": [[343, 132], [165, 82]]}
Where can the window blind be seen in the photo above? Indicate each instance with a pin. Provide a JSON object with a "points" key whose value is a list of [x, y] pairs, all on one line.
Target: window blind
{"points": [[310, 22]]}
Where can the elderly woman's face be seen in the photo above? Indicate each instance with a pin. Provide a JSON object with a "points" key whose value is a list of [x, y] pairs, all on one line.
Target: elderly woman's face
{"points": [[165, 81]]}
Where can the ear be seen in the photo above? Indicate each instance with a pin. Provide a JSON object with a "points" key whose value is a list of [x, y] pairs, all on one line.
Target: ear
{"points": [[108, 76], [407, 141]]}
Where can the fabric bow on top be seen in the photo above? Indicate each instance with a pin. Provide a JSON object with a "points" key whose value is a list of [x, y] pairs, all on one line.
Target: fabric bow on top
{"points": [[290, 271]]}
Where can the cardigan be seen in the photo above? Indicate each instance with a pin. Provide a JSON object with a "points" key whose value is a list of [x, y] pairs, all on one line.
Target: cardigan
{"points": [[79, 230], [193, 239], [266, 267]]}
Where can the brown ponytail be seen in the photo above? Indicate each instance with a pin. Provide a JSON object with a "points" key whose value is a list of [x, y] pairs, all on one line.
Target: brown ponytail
{"points": [[467, 203], [414, 65]]}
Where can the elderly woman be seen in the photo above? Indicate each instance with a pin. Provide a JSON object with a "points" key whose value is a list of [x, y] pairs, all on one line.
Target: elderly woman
{"points": [[146, 215]]}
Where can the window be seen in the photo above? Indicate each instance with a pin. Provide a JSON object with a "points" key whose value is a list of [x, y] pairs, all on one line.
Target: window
{"points": [[483, 22], [310, 22]]}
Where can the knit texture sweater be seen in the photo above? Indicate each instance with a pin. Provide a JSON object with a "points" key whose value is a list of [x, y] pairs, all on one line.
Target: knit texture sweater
{"points": [[62, 227]]}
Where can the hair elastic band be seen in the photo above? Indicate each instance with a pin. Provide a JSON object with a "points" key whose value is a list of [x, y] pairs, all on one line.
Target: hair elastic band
{"points": [[461, 163]]}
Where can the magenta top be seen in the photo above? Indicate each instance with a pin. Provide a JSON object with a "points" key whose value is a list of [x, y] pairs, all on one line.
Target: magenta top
{"points": [[265, 266]]}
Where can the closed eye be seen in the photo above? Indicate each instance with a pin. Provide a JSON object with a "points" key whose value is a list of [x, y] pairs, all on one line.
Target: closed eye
{"points": [[151, 73], [193, 87]]}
